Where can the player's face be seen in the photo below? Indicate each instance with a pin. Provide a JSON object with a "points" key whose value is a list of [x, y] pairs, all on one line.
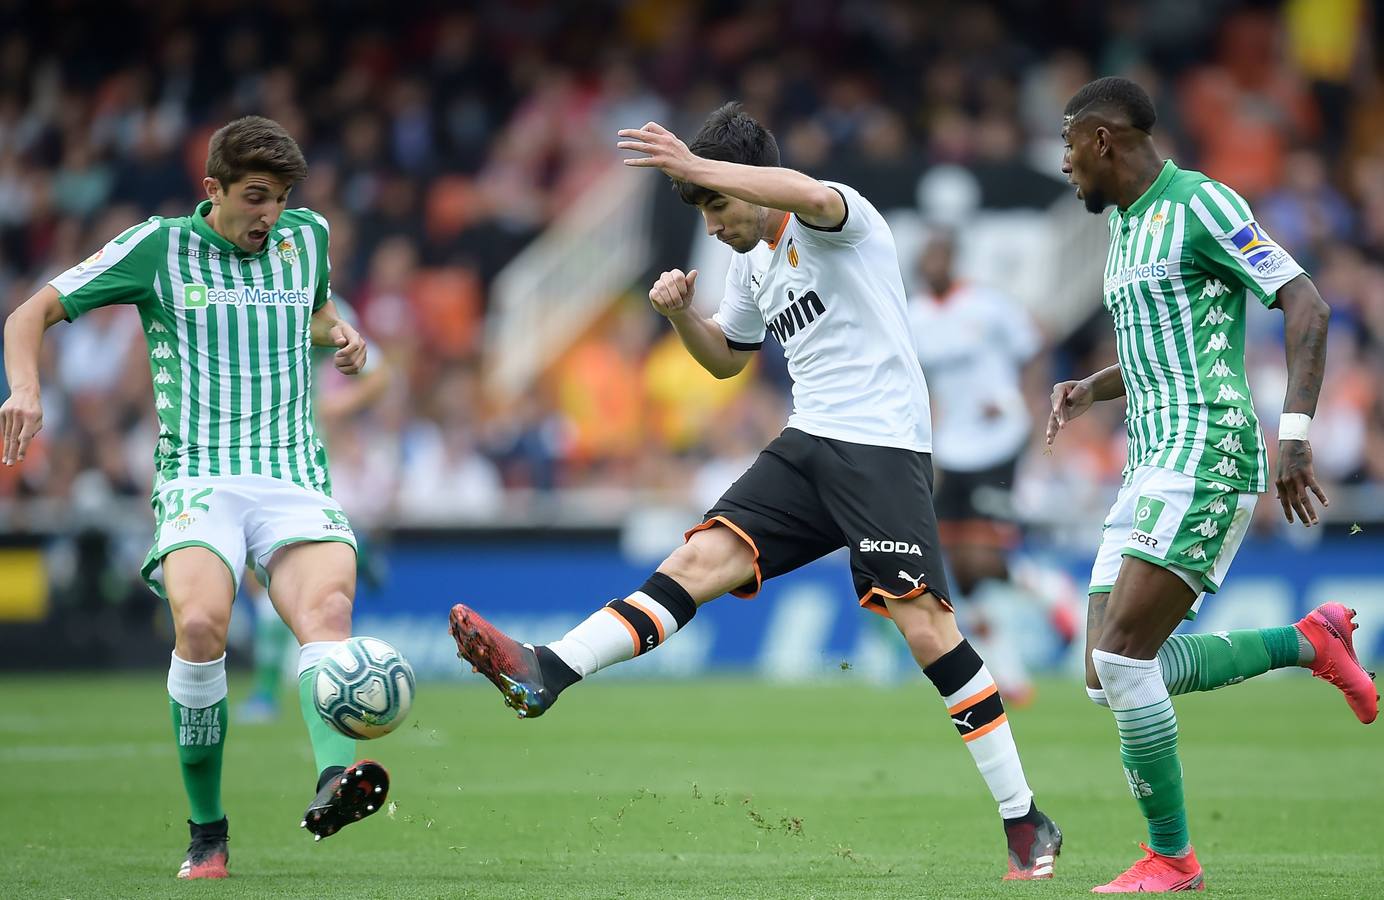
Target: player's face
{"points": [[737, 223], [1081, 165], [246, 210]]}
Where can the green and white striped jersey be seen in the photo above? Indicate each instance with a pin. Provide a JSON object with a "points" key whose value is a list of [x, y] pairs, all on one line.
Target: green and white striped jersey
{"points": [[1182, 260], [229, 337]]}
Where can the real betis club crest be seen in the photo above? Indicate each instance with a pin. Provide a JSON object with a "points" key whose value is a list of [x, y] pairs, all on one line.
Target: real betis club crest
{"points": [[287, 252]]}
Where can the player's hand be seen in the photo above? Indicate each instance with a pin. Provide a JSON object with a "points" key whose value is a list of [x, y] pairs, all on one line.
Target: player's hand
{"points": [[21, 417], [350, 357], [1296, 482], [1069, 400], [672, 294], [661, 148]]}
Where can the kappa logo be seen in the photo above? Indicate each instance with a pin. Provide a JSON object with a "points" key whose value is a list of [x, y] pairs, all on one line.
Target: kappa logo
{"points": [[1213, 289], [1218, 341], [1216, 316], [1226, 393], [874, 545], [1230, 444], [1221, 370], [1226, 467], [1233, 418]]}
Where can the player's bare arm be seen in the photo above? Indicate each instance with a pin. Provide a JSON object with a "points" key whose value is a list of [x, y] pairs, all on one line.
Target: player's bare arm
{"points": [[330, 330], [772, 187], [1072, 398], [1305, 316], [21, 416], [672, 296]]}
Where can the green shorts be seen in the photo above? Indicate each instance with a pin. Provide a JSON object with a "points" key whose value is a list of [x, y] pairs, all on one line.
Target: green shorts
{"points": [[1191, 527]]}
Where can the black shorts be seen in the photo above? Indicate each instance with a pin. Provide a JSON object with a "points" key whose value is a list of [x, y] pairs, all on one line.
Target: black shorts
{"points": [[806, 496], [978, 507]]}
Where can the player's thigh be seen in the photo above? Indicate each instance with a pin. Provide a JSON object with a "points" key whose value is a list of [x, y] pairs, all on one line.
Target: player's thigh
{"points": [[197, 555], [302, 548], [1145, 606], [313, 586], [773, 511], [200, 591], [880, 498]]}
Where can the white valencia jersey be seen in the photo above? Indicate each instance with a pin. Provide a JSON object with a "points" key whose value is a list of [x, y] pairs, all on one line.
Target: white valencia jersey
{"points": [[834, 299], [973, 344]]}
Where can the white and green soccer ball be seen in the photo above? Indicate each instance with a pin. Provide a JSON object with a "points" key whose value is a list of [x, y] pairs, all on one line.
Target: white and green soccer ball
{"points": [[364, 688]]}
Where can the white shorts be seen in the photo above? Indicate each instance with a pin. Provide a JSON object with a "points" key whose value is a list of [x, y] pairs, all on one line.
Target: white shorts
{"points": [[1189, 527], [240, 518]]}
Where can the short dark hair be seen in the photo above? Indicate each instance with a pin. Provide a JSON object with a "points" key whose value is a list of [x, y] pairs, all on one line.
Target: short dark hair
{"points": [[732, 135], [254, 144], [1112, 95]]}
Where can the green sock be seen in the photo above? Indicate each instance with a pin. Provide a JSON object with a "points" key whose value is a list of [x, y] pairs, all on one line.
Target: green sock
{"points": [[1148, 749], [271, 643], [201, 735], [1204, 662], [329, 746]]}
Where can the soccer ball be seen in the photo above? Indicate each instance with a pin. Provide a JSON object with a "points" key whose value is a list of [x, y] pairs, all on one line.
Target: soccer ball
{"points": [[364, 689]]}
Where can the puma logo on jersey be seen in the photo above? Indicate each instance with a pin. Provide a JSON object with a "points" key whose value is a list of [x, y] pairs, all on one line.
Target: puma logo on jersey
{"points": [[801, 312], [965, 722], [871, 545], [916, 582]]}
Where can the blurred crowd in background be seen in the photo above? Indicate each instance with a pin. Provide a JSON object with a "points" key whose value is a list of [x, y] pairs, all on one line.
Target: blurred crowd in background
{"points": [[441, 142]]}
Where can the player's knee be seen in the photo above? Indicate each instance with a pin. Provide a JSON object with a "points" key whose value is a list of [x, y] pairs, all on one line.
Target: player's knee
{"points": [[200, 634], [710, 564], [326, 617]]}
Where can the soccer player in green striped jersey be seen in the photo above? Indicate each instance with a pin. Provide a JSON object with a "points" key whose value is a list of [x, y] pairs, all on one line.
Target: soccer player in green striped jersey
{"points": [[1185, 256], [232, 299]]}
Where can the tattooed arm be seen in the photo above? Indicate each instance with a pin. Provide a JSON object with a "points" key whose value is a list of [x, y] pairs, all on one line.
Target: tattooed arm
{"points": [[1305, 316]]}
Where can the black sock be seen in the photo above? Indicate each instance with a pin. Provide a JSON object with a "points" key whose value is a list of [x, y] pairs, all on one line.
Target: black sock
{"points": [[557, 675], [1032, 817], [328, 774]]}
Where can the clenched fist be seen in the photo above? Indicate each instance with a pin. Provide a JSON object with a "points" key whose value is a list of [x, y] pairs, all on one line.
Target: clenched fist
{"points": [[671, 295]]}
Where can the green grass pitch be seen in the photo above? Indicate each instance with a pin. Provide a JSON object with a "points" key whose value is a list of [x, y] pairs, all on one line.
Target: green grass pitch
{"points": [[697, 789]]}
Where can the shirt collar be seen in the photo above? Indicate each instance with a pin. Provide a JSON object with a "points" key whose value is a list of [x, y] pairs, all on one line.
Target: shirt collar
{"points": [[783, 226], [206, 232], [1159, 185]]}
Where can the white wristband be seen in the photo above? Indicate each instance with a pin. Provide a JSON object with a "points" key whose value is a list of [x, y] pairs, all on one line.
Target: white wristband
{"points": [[1293, 426]]}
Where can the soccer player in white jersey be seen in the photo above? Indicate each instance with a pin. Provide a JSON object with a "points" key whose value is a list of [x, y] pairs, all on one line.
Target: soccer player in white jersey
{"points": [[973, 344], [815, 265], [1185, 257], [232, 299]]}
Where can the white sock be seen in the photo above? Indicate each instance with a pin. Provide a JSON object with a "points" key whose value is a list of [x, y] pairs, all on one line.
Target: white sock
{"points": [[197, 685], [1097, 696], [973, 702], [623, 629], [313, 652]]}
